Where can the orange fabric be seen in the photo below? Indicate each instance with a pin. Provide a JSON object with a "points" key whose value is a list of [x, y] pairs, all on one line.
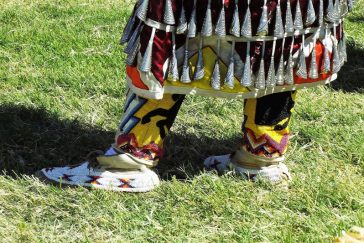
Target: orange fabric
{"points": [[319, 60], [133, 74]]}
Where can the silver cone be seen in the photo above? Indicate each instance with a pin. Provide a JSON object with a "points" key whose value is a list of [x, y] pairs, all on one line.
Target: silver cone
{"points": [[336, 64], [289, 19], [229, 79], [142, 10], [173, 74], [330, 16], [289, 76], [278, 28], [302, 68], [192, 24], [271, 79], [246, 79], [313, 74], [134, 37], [246, 28], [298, 22], [310, 15], [321, 13], [199, 67], [327, 63], [260, 82], [182, 23], [337, 10], [206, 30], [280, 72], [215, 79], [146, 64], [168, 17], [235, 25], [343, 52], [133, 54], [220, 29], [127, 31], [186, 75], [263, 23]]}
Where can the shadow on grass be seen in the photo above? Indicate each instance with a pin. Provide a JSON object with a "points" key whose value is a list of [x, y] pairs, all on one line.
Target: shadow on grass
{"points": [[351, 76], [31, 139]]}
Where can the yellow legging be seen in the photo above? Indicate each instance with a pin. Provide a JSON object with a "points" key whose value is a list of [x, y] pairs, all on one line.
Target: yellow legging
{"points": [[146, 122]]}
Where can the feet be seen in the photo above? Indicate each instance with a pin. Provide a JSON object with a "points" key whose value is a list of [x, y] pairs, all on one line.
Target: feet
{"points": [[104, 177], [273, 173]]}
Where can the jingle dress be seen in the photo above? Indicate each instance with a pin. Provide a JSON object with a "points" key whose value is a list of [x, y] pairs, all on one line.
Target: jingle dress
{"points": [[227, 48]]}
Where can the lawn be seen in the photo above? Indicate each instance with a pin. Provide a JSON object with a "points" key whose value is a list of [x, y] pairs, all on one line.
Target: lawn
{"points": [[61, 96]]}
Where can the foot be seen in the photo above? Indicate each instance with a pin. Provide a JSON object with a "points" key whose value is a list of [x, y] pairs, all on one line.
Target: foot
{"points": [[105, 177], [273, 173]]}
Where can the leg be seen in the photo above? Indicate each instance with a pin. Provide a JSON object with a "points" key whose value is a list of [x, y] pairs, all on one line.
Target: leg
{"points": [[265, 139], [138, 146]]}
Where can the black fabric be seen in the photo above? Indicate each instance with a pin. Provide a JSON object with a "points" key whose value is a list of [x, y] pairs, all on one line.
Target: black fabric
{"points": [[271, 109], [170, 115]]}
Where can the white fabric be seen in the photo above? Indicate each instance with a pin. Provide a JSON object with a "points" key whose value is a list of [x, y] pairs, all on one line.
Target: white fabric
{"points": [[273, 173], [102, 178]]}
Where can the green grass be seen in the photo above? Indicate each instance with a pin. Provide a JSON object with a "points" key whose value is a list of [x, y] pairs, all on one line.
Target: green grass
{"points": [[61, 92]]}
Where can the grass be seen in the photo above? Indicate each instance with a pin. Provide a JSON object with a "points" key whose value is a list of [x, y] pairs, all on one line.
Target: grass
{"points": [[61, 92]]}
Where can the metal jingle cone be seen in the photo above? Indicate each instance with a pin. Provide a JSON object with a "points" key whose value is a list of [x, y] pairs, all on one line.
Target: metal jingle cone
{"points": [[199, 67], [229, 79], [343, 48], [271, 78], [134, 37], [215, 79], [302, 68], [263, 23], [220, 29], [350, 5], [127, 31], [280, 72], [321, 13], [192, 24], [278, 28], [186, 75], [206, 30], [337, 10], [298, 22], [142, 10], [310, 15], [330, 16], [326, 67], [133, 54], [246, 79], [182, 23], [146, 64], [235, 25], [289, 76], [173, 74], [336, 64], [313, 73], [260, 82], [246, 28], [289, 19], [168, 17]]}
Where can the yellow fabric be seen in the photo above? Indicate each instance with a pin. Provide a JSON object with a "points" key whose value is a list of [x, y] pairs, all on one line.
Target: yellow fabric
{"points": [[209, 57], [149, 132], [260, 130]]}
